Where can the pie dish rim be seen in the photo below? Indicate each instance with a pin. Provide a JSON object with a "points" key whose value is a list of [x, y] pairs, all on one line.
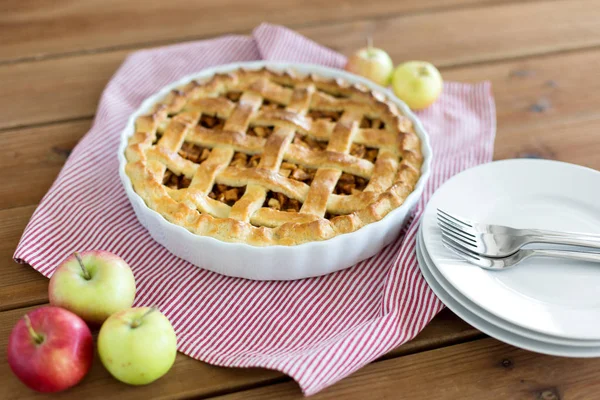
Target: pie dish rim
{"points": [[302, 69]]}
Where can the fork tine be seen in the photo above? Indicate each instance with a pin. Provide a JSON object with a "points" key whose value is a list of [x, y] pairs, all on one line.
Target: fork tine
{"points": [[462, 228], [458, 249], [457, 237], [455, 218]]}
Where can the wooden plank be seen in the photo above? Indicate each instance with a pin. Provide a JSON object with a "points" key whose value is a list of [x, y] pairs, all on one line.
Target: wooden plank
{"points": [[483, 369], [35, 156], [20, 285], [55, 90], [68, 88], [546, 107], [193, 378], [462, 36], [36, 28], [577, 142], [535, 91]]}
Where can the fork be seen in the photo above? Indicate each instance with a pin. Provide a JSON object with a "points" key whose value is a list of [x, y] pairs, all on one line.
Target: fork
{"points": [[502, 241], [515, 258]]}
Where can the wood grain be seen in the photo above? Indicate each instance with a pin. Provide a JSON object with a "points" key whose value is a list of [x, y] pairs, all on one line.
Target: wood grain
{"points": [[547, 106], [20, 285], [189, 377], [55, 90], [35, 28], [67, 88], [547, 102], [456, 37], [35, 156], [483, 369]]}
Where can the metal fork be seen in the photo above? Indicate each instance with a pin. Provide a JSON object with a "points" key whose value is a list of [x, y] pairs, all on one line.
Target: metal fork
{"points": [[502, 241], [515, 258]]}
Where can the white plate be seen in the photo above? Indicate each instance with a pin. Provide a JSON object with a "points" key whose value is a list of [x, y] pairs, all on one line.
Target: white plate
{"points": [[551, 296], [492, 319], [493, 330], [275, 262]]}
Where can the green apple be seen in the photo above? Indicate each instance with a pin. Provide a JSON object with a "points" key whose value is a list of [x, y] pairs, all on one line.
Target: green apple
{"points": [[137, 346], [93, 285], [417, 83], [372, 63]]}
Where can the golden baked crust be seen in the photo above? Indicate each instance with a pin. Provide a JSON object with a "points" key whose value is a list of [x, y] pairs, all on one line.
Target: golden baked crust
{"points": [[270, 158]]}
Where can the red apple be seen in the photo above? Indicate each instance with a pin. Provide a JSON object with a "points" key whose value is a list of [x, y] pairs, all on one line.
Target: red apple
{"points": [[50, 349], [93, 284]]}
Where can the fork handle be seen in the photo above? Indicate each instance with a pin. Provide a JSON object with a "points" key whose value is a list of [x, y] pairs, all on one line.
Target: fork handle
{"points": [[571, 255], [572, 239]]}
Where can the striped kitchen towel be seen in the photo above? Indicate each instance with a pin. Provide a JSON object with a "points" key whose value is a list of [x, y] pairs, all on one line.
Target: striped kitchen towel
{"points": [[316, 330]]}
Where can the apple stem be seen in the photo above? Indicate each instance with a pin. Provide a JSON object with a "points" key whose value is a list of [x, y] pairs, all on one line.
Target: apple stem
{"points": [[369, 44], [138, 321], [86, 274], [36, 336]]}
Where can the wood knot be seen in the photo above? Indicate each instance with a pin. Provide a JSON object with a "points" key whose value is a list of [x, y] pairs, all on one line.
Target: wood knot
{"points": [[531, 155], [60, 153], [542, 105], [506, 363], [521, 73], [548, 394], [538, 152]]}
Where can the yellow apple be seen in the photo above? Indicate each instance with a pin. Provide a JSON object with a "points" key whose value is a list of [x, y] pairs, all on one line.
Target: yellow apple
{"points": [[92, 284], [417, 83], [137, 346], [372, 63]]}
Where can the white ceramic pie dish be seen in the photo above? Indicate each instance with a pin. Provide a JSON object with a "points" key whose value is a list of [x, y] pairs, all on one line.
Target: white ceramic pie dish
{"points": [[275, 262]]}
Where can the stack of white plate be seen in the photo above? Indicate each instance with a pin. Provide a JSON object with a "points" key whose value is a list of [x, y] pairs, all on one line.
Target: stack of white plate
{"points": [[546, 305]]}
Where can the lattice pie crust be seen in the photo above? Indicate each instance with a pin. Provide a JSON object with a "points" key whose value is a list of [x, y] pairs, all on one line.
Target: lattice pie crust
{"points": [[270, 158]]}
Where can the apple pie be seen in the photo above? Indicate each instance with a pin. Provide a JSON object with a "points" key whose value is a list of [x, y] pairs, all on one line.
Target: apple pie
{"points": [[269, 158]]}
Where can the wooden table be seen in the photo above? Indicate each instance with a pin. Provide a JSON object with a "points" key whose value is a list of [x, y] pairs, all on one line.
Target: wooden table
{"points": [[543, 58]]}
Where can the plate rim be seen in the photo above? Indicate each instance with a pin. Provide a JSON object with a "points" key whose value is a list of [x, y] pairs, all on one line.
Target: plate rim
{"points": [[491, 318], [428, 223], [498, 332], [307, 258]]}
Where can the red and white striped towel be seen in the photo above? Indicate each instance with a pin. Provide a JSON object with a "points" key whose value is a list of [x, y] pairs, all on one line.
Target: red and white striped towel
{"points": [[316, 330]]}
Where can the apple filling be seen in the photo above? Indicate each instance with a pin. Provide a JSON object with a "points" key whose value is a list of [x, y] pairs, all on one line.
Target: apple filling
{"points": [[193, 152], [310, 142], [271, 105], [297, 172], [337, 95], [361, 151], [332, 116], [174, 181], [233, 96], [372, 123], [189, 151], [350, 184], [279, 201], [329, 215], [243, 160], [260, 131], [211, 122], [226, 194]]}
